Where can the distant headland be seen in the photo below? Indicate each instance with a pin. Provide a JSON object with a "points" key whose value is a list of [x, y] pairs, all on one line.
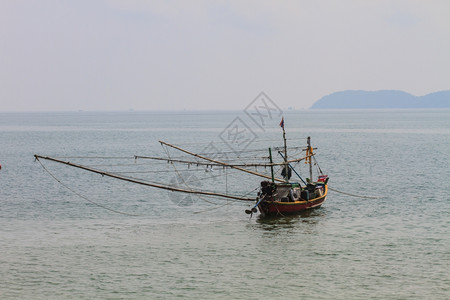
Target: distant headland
{"points": [[382, 99]]}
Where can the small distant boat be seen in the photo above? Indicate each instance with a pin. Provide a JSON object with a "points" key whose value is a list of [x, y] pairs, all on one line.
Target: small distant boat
{"points": [[276, 196]]}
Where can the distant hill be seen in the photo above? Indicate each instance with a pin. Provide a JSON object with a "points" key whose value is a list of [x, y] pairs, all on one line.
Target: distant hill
{"points": [[382, 99]]}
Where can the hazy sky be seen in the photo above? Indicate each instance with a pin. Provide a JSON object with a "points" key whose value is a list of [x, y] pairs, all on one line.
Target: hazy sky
{"points": [[159, 55]]}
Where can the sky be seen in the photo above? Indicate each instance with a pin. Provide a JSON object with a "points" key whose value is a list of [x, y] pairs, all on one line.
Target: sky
{"points": [[143, 55]]}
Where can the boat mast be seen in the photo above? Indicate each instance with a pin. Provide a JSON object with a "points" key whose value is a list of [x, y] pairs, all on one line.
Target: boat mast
{"points": [[286, 164], [271, 164], [310, 153]]}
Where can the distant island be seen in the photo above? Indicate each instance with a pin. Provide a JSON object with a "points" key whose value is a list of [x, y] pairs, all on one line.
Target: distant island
{"points": [[382, 99]]}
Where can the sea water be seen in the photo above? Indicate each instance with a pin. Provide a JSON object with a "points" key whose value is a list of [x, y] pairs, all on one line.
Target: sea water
{"points": [[55, 244]]}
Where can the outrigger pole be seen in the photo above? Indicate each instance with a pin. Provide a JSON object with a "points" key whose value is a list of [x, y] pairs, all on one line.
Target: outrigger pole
{"points": [[189, 162], [221, 163], [159, 186]]}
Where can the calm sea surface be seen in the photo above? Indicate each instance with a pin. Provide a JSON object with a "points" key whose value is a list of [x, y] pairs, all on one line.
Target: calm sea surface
{"points": [[57, 244]]}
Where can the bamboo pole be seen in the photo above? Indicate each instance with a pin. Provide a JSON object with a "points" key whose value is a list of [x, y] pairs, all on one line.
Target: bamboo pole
{"points": [[216, 164]]}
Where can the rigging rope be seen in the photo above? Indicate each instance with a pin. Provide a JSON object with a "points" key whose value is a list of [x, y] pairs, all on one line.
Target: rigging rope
{"points": [[228, 203], [216, 207], [166, 149], [181, 177], [353, 195], [81, 196]]}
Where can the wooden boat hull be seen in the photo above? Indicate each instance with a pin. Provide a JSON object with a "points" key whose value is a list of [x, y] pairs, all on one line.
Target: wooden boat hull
{"points": [[278, 208]]}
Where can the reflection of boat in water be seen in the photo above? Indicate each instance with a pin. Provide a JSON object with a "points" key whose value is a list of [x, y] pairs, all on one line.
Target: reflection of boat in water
{"points": [[276, 196], [309, 218]]}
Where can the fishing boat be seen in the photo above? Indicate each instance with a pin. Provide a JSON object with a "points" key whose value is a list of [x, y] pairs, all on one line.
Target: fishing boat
{"points": [[276, 196], [279, 199], [287, 198]]}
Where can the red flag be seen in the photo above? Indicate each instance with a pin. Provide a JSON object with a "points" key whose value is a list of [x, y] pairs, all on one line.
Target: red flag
{"points": [[282, 122]]}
